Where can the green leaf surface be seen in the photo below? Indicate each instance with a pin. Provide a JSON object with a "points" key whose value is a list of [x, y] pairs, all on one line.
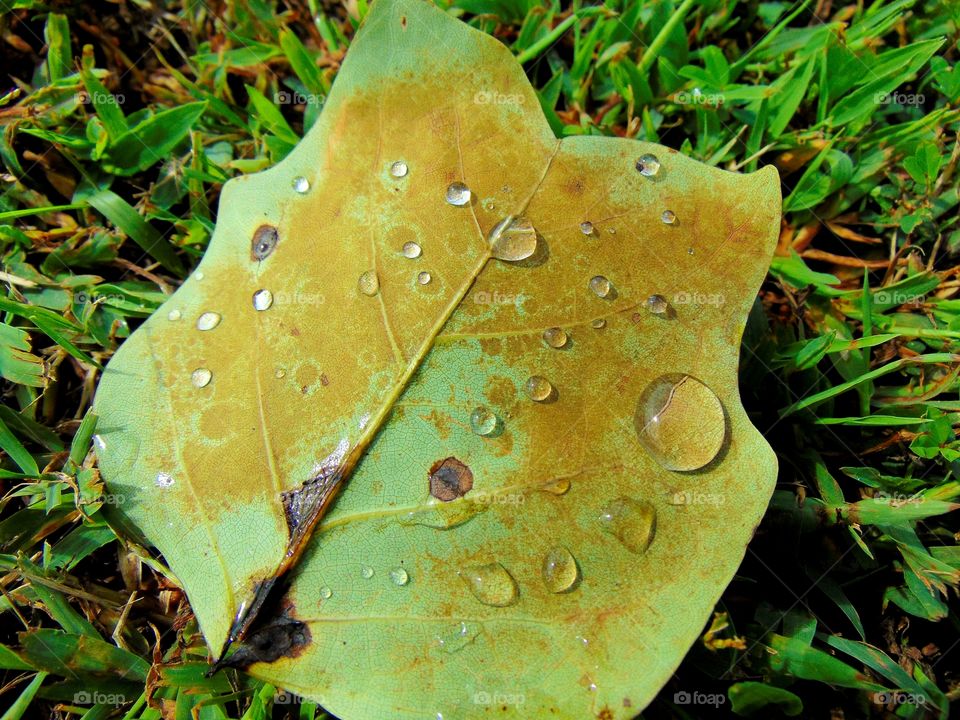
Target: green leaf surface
{"points": [[309, 353]]}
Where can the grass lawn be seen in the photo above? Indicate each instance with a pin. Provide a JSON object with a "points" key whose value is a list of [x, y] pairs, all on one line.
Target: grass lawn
{"points": [[122, 120]]}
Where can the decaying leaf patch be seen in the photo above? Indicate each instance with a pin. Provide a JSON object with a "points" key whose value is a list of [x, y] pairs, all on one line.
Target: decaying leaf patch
{"points": [[441, 277]]}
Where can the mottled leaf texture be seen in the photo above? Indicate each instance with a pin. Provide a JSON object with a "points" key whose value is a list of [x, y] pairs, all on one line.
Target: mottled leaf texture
{"points": [[546, 547]]}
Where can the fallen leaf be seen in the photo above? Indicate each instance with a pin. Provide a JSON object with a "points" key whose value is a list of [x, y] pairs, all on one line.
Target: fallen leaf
{"points": [[432, 276]]}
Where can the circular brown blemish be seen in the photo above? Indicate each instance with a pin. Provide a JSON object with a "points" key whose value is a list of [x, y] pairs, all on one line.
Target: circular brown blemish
{"points": [[265, 239], [450, 479]]}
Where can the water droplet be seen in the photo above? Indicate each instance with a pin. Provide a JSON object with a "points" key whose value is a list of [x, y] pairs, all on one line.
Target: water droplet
{"points": [[489, 205], [598, 324], [280, 373], [513, 239], [555, 337], [399, 169], [458, 194], [538, 388], [366, 572], [680, 422], [600, 285], [262, 300], [264, 241], [326, 593], [690, 251], [648, 165], [99, 442], [482, 421], [411, 250], [201, 377], [669, 217], [174, 315], [208, 321], [301, 184], [491, 584], [586, 227], [424, 278], [399, 576], [657, 304], [559, 570], [369, 283], [198, 275], [559, 486], [632, 522], [457, 637], [164, 480]]}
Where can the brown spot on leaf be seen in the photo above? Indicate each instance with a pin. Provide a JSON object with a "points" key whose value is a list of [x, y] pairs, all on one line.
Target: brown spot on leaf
{"points": [[282, 636], [265, 239], [450, 479], [605, 713]]}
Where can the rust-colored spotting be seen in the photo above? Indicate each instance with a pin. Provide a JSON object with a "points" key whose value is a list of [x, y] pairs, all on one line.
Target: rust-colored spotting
{"points": [[450, 479]]}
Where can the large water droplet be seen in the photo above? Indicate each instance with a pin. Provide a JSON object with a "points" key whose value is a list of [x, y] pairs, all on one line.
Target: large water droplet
{"points": [[164, 480], [208, 321], [513, 239], [491, 584], [399, 576], [586, 227], [483, 421], [262, 300], [399, 169], [555, 337], [632, 522], [424, 278], [201, 377], [411, 250], [369, 283], [559, 570], [648, 165], [600, 285], [538, 388], [669, 217], [680, 422], [366, 572], [657, 304], [598, 323], [458, 194], [301, 184], [457, 637]]}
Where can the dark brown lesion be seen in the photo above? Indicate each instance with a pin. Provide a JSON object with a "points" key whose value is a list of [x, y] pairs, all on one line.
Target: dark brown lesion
{"points": [[450, 479], [303, 507], [282, 636]]}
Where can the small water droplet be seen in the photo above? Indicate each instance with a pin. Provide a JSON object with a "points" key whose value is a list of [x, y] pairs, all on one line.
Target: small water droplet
{"points": [[264, 241], [99, 442], [164, 480], [201, 377], [586, 227], [301, 184], [632, 522], [491, 584], [411, 250], [399, 576], [174, 315], [489, 205], [369, 283], [598, 324], [198, 275], [648, 165], [208, 321], [456, 638], [262, 300], [559, 486], [559, 570], [669, 217], [366, 572], [657, 304], [555, 337], [601, 286], [399, 169], [680, 422], [538, 388], [280, 373], [482, 421], [424, 278], [690, 251], [513, 239], [326, 593], [458, 194]]}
